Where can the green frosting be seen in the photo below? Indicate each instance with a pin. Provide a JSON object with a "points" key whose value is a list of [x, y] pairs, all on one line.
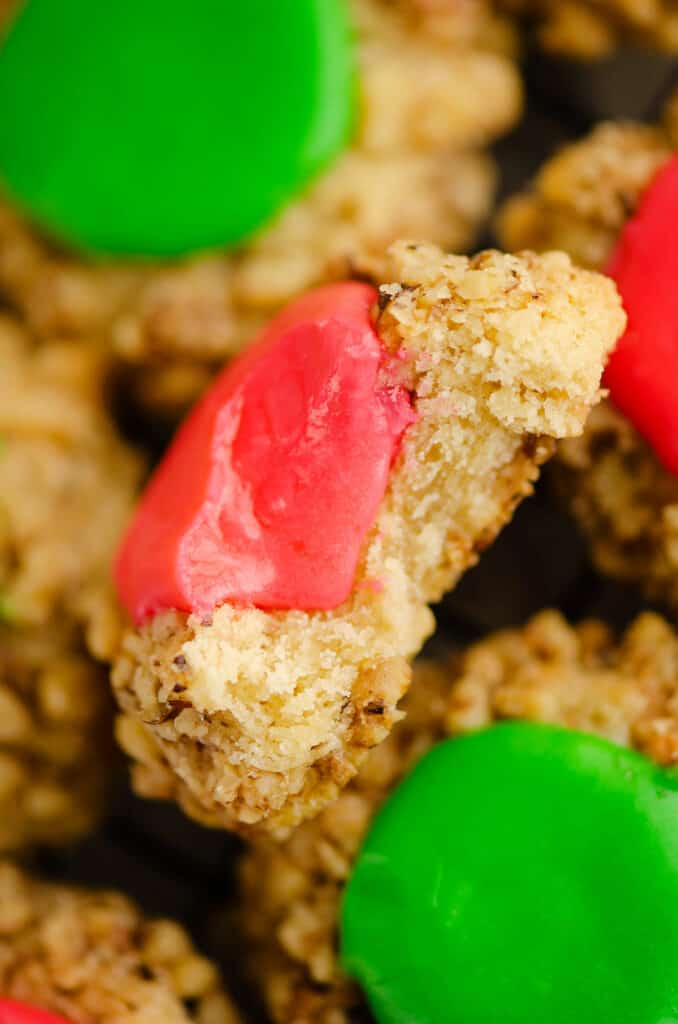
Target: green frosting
{"points": [[523, 875], [156, 127]]}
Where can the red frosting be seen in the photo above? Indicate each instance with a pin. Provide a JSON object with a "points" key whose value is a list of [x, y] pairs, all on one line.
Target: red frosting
{"points": [[19, 1013], [642, 374], [270, 486]]}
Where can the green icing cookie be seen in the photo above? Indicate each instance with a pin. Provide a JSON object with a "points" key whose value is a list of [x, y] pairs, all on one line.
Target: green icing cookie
{"points": [[157, 127], [522, 875]]}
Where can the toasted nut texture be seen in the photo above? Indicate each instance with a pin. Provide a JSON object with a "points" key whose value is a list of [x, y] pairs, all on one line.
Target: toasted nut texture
{"points": [[438, 83], [591, 28], [56, 742], [625, 502], [547, 672], [92, 957], [68, 484], [583, 195], [258, 718]]}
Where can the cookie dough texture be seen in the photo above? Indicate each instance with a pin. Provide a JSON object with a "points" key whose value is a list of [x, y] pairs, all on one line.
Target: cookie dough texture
{"points": [[623, 499], [438, 83], [93, 957], [257, 718], [579, 677], [592, 28]]}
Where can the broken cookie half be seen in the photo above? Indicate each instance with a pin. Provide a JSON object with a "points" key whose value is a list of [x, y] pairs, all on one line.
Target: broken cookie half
{"points": [[331, 484]]}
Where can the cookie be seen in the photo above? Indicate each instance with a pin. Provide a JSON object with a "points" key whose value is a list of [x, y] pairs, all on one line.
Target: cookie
{"points": [[256, 716]]}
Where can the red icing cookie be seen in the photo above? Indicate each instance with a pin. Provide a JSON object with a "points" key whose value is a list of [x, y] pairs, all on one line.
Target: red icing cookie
{"points": [[19, 1013], [642, 374], [270, 486]]}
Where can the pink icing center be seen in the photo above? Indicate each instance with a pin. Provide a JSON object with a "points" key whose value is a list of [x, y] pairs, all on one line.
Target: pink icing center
{"points": [[641, 374], [271, 485]]}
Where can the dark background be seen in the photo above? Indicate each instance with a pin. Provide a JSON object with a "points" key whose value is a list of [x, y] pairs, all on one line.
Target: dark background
{"points": [[174, 868]]}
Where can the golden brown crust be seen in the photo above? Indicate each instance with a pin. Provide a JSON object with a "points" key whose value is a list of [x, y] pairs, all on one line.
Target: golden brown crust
{"points": [[56, 742], [547, 672], [258, 718], [625, 502], [591, 28], [92, 957], [451, 67]]}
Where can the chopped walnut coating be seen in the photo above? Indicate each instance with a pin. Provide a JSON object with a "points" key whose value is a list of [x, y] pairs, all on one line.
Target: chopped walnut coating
{"points": [[68, 484], [579, 677], [94, 959], [259, 718], [625, 502], [56, 741], [583, 195], [591, 28], [450, 65], [291, 890]]}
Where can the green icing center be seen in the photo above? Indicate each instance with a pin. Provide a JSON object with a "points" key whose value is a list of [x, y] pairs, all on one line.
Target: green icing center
{"points": [[157, 127], [522, 875]]}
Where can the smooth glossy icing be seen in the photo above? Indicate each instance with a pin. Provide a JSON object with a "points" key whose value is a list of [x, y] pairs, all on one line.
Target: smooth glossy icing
{"points": [[156, 128], [523, 874]]}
